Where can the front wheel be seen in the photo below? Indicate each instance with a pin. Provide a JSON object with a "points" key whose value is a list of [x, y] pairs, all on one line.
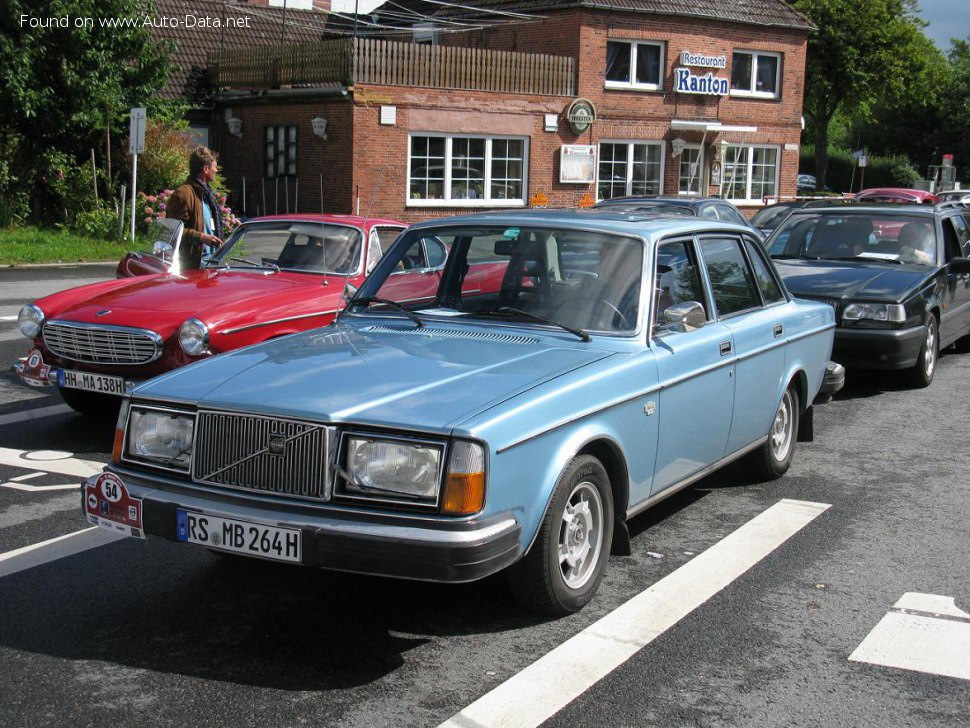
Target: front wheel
{"points": [[565, 565], [91, 403], [773, 458], [922, 374]]}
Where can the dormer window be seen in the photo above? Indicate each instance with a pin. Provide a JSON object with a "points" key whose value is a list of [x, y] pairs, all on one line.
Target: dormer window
{"points": [[634, 65]]}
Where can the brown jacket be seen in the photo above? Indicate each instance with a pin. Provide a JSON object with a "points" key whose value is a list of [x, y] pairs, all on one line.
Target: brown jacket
{"points": [[185, 204]]}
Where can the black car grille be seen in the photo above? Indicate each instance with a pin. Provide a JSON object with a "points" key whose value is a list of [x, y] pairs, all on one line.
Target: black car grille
{"points": [[265, 454], [94, 344]]}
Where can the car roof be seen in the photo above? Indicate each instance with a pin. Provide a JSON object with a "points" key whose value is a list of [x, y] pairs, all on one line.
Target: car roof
{"points": [[659, 199], [600, 220], [850, 207], [327, 217]]}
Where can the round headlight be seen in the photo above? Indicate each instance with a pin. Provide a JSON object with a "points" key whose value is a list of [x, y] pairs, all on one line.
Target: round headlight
{"points": [[30, 320], [194, 337]]}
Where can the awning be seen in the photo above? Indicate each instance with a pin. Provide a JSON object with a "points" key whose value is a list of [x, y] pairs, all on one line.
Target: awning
{"points": [[708, 126]]}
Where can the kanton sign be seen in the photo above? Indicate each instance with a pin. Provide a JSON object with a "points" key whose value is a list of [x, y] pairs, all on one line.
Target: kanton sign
{"points": [[685, 82]]}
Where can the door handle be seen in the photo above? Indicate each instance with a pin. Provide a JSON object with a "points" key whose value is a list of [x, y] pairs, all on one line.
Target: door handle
{"points": [[779, 330], [725, 348]]}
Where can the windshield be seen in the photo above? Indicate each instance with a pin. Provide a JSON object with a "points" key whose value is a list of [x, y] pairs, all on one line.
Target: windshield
{"points": [[768, 218], [585, 280], [872, 236], [306, 246]]}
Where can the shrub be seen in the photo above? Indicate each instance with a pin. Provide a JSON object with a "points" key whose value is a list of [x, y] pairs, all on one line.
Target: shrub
{"points": [[101, 222], [843, 174], [165, 161]]}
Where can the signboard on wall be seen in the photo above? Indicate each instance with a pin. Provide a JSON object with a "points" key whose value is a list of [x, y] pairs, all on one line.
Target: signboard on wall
{"points": [[577, 163]]}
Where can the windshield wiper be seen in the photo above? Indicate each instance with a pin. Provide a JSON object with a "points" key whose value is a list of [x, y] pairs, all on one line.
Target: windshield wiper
{"points": [[536, 317], [368, 300], [254, 264], [869, 259]]}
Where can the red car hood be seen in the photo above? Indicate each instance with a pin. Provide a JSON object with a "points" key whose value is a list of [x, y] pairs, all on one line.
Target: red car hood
{"points": [[160, 301]]}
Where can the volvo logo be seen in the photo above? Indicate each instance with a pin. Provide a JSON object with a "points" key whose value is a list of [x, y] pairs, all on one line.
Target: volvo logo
{"points": [[104, 312], [277, 444]]}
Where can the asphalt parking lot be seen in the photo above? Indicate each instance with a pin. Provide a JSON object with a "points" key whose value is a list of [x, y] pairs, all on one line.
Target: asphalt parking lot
{"points": [[158, 633]]}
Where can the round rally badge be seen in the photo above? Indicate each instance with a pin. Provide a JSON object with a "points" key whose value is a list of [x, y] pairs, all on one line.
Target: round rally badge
{"points": [[34, 359], [92, 501], [111, 487]]}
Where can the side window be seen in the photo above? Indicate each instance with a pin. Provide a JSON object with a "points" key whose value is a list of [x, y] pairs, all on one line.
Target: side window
{"points": [[732, 284], [951, 242], [709, 212], [961, 224], [678, 279], [729, 214], [770, 290], [380, 240], [437, 252]]}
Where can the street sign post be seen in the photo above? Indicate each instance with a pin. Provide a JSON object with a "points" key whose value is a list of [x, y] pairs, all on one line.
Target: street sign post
{"points": [[136, 145]]}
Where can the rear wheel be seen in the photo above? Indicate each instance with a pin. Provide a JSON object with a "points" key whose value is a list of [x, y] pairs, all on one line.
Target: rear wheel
{"points": [[565, 565], [922, 374], [91, 403], [773, 459]]}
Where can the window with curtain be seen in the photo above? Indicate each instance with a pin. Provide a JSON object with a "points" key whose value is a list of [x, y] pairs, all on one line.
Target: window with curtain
{"points": [[755, 74], [633, 64], [455, 170]]}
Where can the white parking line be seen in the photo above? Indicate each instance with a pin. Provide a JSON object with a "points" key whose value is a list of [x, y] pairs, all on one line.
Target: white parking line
{"points": [[35, 414], [56, 548], [549, 684], [922, 633], [39, 488], [9, 318], [50, 461]]}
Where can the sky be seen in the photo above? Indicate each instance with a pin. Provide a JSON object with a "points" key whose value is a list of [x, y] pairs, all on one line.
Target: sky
{"points": [[947, 18]]}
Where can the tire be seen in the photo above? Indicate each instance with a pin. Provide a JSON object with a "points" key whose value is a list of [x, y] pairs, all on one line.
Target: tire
{"points": [[563, 569], [929, 355], [91, 403], [773, 458]]}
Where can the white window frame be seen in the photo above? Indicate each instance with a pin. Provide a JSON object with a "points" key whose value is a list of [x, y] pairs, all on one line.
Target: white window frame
{"points": [[700, 171], [632, 84], [630, 145], [485, 200], [753, 92], [730, 153]]}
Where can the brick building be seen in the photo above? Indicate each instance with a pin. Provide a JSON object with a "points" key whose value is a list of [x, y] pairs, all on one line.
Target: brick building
{"points": [[568, 102]]}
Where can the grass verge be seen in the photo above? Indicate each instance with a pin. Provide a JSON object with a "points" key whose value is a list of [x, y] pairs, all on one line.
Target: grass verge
{"points": [[26, 245]]}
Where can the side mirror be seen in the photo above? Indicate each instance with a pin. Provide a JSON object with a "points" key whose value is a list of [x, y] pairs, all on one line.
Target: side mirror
{"points": [[161, 248], [960, 265], [688, 315], [350, 290]]}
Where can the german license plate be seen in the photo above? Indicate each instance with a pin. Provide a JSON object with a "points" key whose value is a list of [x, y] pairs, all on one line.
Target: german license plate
{"points": [[241, 537], [103, 383]]}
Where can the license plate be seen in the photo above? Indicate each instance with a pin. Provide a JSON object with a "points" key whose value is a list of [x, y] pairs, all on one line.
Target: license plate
{"points": [[103, 383], [241, 537]]}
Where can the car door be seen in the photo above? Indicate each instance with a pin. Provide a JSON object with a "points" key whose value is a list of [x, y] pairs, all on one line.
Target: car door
{"points": [[955, 321], [696, 372], [751, 305]]}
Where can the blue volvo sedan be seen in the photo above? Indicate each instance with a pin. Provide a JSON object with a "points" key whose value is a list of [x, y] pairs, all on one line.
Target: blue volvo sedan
{"points": [[504, 392]]}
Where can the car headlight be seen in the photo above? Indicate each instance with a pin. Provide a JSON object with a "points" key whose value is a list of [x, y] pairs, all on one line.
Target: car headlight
{"points": [[30, 320], [874, 312], [160, 436], [383, 468], [194, 337]]}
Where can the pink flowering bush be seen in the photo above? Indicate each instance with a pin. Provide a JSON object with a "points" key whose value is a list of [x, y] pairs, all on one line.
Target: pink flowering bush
{"points": [[153, 208]]}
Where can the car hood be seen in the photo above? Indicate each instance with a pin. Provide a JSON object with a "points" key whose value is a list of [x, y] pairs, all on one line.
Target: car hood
{"points": [[383, 374], [850, 279], [167, 300]]}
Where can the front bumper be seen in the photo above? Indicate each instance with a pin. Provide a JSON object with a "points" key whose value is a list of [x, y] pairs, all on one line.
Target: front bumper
{"points": [[404, 546], [833, 381], [878, 348], [43, 375]]}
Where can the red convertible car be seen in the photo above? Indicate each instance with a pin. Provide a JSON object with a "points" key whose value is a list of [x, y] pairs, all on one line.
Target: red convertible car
{"points": [[274, 276]]}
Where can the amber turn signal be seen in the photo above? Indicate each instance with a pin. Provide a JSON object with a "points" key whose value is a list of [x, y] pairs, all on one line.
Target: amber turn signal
{"points": [[464, 494]]}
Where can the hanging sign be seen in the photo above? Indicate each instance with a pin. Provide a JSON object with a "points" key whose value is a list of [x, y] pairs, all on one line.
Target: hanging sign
{"points": [[580, 115]]}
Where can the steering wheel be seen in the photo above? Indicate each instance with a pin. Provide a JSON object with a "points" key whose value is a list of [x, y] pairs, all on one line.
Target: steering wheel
{"points": [[597, 301]]}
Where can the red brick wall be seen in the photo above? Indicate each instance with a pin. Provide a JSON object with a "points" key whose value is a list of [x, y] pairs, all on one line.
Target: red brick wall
{"points": [[366, 159]]}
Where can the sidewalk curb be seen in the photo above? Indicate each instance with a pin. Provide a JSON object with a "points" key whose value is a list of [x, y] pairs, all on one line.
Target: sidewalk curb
{"points": [[76, 264]]}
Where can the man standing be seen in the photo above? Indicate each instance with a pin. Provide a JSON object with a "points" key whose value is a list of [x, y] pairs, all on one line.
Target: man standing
{"points": [[194, 203]]}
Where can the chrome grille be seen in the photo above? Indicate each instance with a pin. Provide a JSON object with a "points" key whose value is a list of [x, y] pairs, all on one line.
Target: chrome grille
{"points": [[94, 344], [266, 454]]}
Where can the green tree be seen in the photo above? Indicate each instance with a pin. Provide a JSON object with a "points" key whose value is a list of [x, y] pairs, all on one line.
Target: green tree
{"points": [[955, 107], [862, 55], [64, 82]]}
